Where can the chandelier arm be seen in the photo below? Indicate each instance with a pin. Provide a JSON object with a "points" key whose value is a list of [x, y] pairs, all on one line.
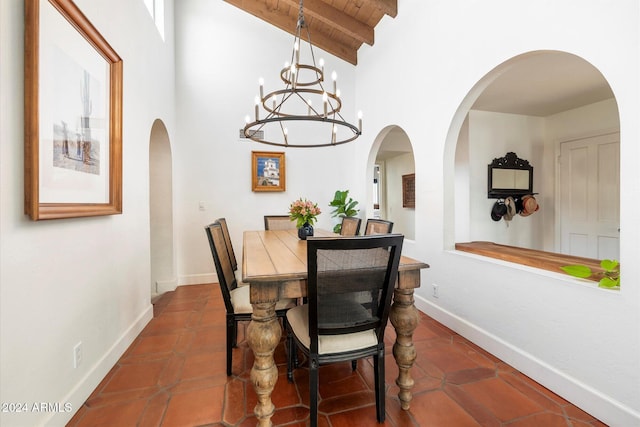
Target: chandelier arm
{"points": [[252, 134], [288, 93], [307, 118]]}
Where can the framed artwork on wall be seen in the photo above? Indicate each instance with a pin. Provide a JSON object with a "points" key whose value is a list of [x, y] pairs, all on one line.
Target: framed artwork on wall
{"points": [[268, 171], [73, 115], [409, 190]]}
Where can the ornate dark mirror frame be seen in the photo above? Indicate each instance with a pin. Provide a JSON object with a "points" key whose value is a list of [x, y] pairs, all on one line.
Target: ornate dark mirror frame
{"points": [[509, 176]]}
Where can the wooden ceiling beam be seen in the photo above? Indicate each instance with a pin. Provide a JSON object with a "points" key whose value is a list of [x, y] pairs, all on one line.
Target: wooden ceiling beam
{"points": [[268, 14], [337, 19], [388, 7], [283, 21]]}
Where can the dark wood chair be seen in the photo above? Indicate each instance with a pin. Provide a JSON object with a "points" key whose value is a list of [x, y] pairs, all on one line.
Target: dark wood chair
{"points": [[278, 222], [336, 324], [350, 226], [236, 298], [227, 240], [232, 253], [377, 226]]}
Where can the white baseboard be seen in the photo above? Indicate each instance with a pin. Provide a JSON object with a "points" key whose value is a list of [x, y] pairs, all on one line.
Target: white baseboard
{"points": [[79, 394], [163, 286], [198, 279], [583, 396]]}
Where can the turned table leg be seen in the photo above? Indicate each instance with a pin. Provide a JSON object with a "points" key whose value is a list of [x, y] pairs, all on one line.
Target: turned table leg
{"points": [[263, 335], [404, 318]]}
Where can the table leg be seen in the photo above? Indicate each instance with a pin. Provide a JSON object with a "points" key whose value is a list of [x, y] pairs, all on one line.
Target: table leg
{"points": [[263, 335], [404, 318]]}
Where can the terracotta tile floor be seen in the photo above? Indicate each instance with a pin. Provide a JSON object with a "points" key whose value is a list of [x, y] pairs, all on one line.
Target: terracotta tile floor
{"points": [[174, 375]]}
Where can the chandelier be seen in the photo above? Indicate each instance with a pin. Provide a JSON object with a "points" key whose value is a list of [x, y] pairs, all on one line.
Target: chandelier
{"points": [[304, 113]]}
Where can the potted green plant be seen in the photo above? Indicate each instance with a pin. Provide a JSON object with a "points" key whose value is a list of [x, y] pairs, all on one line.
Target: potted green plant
{"points": [[344, 206], [609, 277]]}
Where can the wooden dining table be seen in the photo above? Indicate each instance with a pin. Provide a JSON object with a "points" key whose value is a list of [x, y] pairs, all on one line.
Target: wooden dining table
{"points": [[274, 263]]}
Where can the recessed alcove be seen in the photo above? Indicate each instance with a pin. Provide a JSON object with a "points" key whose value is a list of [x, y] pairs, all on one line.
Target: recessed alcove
{"points": [[535, 104]]}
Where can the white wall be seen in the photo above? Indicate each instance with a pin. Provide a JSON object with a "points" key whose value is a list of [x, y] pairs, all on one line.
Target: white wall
{"points": [[579, 341], [77, 280], [404, 219], [582, 122]]}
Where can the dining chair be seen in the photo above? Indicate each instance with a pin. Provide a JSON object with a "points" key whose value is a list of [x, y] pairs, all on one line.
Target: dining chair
{"points": [[336, 325], [278, 222], [378, 226], [236, 298], [350, 226], [227, 240], [232, 254]]}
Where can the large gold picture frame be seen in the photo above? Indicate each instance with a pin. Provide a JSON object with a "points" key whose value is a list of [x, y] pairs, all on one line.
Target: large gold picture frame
{"points": [[268, 171], [73, 115]]}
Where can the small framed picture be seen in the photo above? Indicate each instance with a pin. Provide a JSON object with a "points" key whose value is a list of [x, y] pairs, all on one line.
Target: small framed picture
{"points": [[268, 171], [409, 190]]}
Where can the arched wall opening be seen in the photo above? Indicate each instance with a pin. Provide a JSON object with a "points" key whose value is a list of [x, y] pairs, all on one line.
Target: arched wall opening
{"points": [[536, 104], [163, 276], [391, 170]]}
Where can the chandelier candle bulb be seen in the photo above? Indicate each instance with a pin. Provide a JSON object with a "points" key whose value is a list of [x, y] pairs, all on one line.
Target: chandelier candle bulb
{"points": [[261, 83], [273, 98], [321, 62], [360, 121], [325, 100], [257, 107], [334, 77], [293, 75]]}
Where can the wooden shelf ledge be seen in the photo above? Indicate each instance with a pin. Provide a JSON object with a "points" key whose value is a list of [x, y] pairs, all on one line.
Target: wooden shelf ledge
{"points": [[533, 258]]}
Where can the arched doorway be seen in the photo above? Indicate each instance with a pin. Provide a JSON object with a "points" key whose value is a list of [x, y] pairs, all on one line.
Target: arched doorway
{"points": [[161, 210], [391, 162]]}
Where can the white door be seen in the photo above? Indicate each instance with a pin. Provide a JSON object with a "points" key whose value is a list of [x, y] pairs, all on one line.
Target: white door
{"points": [[590, 197]]}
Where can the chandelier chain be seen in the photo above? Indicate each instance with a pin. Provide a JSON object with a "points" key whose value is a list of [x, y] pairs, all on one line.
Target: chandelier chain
{"points": [[301, 22]]}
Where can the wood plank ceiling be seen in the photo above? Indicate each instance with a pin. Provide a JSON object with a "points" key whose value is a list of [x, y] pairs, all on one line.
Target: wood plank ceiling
{"points": [[336, 26]]}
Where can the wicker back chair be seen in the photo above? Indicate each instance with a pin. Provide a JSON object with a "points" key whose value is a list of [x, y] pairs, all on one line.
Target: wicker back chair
{"points": [[350, 226], [278, 222], [378, 226], [236, 298], [336, 324]]}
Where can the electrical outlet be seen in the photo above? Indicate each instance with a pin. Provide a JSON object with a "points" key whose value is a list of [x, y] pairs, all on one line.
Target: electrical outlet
{"points": [[436, 290], [77, 355]]}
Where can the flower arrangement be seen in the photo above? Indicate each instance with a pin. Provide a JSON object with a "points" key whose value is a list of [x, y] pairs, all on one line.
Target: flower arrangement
{"points": [[303, 211]]}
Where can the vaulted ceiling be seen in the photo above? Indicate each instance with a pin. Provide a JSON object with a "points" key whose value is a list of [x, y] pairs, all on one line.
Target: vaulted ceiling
{"points": [[339, 27], [539, 85]]}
